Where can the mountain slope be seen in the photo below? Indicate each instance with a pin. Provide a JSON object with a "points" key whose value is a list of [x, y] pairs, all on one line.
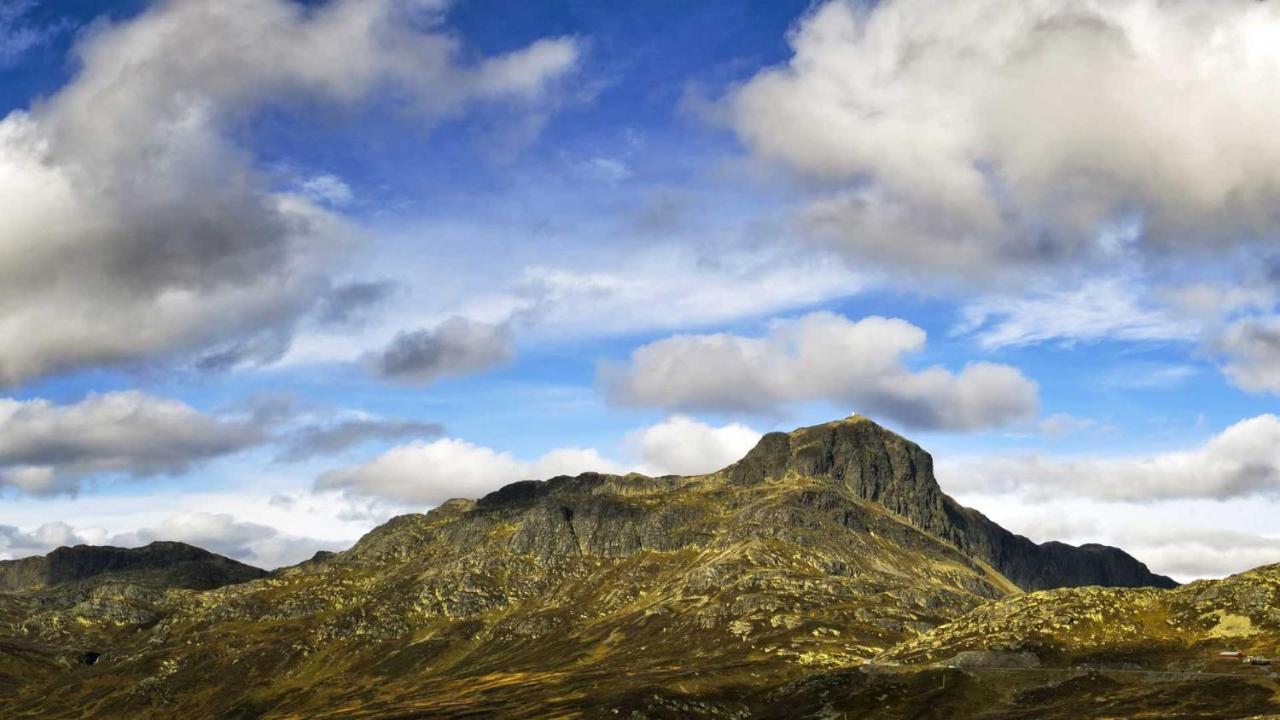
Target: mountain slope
{"points": [[74, 605], [667, 597], [1183, 629]]}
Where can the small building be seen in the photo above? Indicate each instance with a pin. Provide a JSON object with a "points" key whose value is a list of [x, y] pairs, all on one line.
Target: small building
{"points": [[1231, 655]]}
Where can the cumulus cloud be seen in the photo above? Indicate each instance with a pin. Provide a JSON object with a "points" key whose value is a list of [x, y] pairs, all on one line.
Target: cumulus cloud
{"points": [[821, 356], [681, 445], [952, 136], [48, 449], [1187, 539], [1242, 461], [16, 543], [217, 532], [136, 227], [1198, 552], [1251, 351], [222, 533], [456, 347], [429, 473], [316, 440]]}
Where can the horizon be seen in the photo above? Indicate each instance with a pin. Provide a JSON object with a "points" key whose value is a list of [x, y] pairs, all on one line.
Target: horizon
{"points": [[273, 272]]}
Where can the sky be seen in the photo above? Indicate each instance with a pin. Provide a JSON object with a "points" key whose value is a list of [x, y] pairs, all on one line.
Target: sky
{"points": [[273, 271]]}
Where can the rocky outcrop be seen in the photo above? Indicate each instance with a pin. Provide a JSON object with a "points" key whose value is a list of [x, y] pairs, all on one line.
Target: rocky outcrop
{"points": [[168, 564], [883, 467]]}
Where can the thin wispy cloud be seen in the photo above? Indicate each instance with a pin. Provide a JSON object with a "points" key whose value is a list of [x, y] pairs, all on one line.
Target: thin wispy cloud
{"points": [[21, 32]]}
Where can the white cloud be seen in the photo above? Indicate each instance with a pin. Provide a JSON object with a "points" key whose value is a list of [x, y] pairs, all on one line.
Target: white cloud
{"points": [[1061, 424], [429, 473], [221, 533], [327, 190], [820, 356], [663, 286], [1146, 375], [48, 449], [954, 138], [1100, 309], [456, 347], [250, 542], [1186, 539], [1242, 461], [136, 227], [15, 543], [569, 461], [609, 170], [670, 286], [217, 532], [1190, 551], [681, 445]]}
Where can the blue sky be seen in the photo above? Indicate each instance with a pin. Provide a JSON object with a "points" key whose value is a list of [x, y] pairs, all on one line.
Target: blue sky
{"points": [[447, 245]]}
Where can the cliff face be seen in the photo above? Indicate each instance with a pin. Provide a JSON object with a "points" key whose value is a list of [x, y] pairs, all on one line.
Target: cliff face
{"points": [[885, 468]]}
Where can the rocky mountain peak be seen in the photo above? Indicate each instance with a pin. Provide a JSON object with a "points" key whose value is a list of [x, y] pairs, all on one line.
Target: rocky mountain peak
{"points": [[876, 464], [857, 454]]}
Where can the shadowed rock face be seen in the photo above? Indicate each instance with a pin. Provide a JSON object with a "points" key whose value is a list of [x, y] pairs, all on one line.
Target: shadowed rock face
{"points": [[181, 565], [883, 467]]}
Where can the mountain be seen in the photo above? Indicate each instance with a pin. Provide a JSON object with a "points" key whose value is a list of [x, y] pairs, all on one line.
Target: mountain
{"points": [[64, 609], [877, 465], [749, 592], [170, 564]]}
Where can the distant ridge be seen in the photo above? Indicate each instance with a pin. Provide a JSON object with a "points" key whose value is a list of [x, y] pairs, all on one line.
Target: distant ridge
{"points": [[172, 564]]}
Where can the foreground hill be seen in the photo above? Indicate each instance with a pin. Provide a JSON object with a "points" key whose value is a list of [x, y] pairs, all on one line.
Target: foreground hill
{"points": [[716, 595], [1072, 654], [1179, 630]]}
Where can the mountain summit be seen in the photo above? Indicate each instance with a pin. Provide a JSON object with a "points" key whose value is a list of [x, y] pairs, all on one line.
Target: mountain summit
{"points": [[821, 549], [880, 466]]}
